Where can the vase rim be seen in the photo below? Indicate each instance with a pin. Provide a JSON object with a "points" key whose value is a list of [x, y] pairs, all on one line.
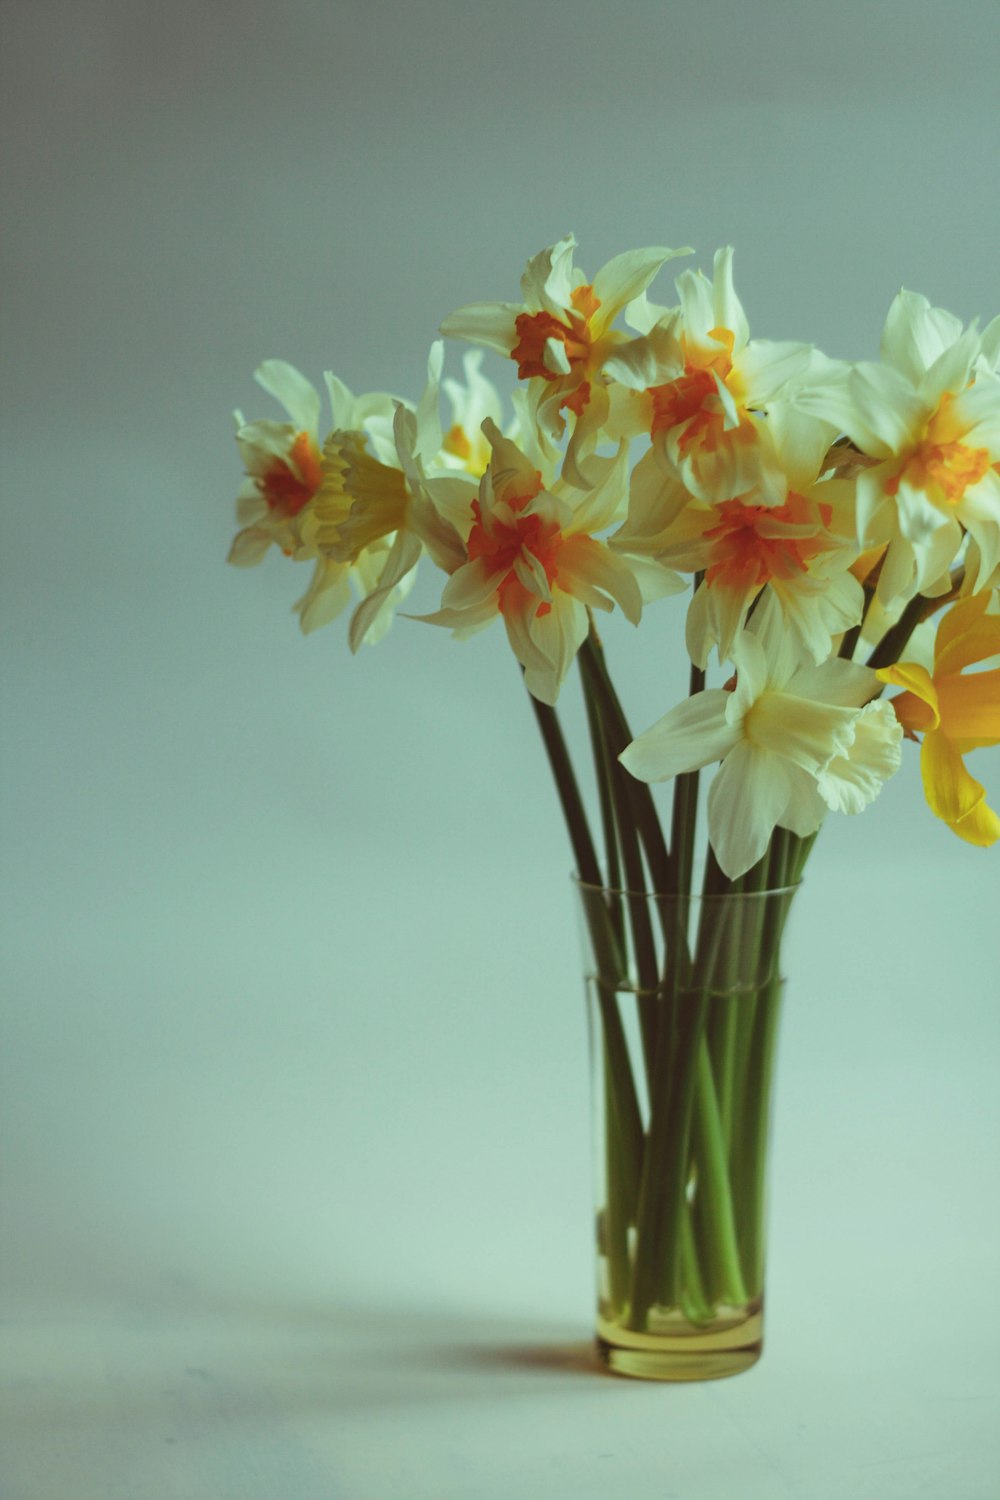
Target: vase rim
{"points": [[692, 896]]}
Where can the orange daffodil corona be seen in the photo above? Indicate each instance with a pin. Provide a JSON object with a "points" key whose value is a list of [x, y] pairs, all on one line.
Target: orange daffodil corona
{"points": [[561, 335], [819, 508], [531, 557], [929, 417]]}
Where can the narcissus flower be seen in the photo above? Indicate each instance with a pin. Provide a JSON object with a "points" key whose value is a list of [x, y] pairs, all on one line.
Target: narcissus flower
{"points": [[955, 712], [802, 550], [794, 739], [930, 416], [531, 558], [282, 462], [287, 474], [714, 401], [561, 334]]}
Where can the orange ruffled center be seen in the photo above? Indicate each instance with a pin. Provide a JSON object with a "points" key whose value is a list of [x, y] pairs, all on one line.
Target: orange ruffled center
{"points": [[941, 466], [751, 546], [534, 330], [289, 484], [692, 399], [500, 544]]}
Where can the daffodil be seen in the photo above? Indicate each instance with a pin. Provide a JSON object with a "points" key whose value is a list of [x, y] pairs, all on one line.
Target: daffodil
{"points": [[716, 403], [289, 479], [955, 712], [282, 462], [802, 550], [371, 513], [930, 415], [561, 334], [795, 739], [531, 557]]}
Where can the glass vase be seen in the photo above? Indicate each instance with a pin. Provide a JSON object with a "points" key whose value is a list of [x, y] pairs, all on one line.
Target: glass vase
{"points": [[684, 995]]}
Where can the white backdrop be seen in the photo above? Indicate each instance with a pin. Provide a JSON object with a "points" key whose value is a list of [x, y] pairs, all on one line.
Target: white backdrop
{"points": [[294, 1044]]}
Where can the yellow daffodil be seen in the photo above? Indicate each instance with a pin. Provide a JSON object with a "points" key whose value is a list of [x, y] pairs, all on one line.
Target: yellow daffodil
{"points": [[955, 713]]}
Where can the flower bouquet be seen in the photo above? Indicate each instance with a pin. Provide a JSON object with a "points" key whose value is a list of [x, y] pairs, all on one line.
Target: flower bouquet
{"points": [[836, 529]]}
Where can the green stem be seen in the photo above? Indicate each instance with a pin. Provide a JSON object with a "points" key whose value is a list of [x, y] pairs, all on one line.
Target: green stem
{"points": [[619, 1203], [603, 778], [636, 902], [750, 1169], [721, 1252], [663, 1183], [569, 793], [618, 735], [892, 643], [607, 953]]}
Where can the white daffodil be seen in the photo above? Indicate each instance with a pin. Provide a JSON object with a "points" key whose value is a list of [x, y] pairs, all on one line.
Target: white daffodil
{"points": [[795, 739], [288, 473], [716, 403], [930, 415], [372, 513], [530, 557], [802, 549], [282, 463], [464, 445], [561, 334]]}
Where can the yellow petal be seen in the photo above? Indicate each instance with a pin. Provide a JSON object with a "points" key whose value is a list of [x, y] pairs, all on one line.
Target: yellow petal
{"points": [[952, 793], [917, 707], [980, 827], [970, 706], [966, 634]]}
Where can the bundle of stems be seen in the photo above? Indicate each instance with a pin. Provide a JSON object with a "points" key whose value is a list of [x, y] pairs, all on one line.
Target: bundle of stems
{"points": [[686, 1110]]}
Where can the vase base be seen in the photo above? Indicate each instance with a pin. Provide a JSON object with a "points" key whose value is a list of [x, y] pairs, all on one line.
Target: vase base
{"points": [[696, 1354]]}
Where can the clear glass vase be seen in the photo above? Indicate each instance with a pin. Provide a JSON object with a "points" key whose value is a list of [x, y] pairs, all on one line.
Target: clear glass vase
{"points": [[684, 995]]}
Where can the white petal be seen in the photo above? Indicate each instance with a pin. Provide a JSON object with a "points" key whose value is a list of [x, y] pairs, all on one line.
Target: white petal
{"points": [[249, 547], [916, 334], [327, 596], [848, 783], [548, 279], [284, 382], [470, 585], [800, 730], [805, 808], [558, 635], [584, 561], [556, 358], [728, 310], [747, 797], [488, 323], [690, 736], [847, 684], [697, 308], [404, 555], [626, 277]]}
